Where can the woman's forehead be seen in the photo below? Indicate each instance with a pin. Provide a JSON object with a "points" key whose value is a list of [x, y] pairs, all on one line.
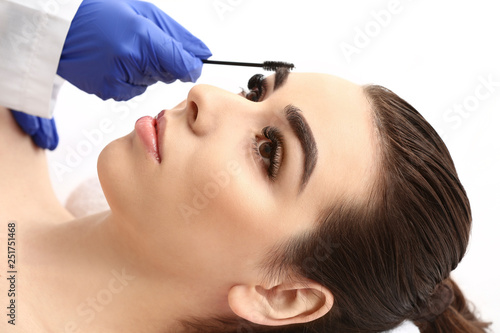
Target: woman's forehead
{"points": [[341, 121]]}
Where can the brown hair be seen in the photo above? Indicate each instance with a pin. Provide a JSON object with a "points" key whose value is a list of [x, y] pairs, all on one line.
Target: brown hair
{"points": [[388, 257]]}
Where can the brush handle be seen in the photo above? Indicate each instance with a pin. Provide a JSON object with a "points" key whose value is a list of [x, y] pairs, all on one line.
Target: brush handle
{"points": [[231, 63]]}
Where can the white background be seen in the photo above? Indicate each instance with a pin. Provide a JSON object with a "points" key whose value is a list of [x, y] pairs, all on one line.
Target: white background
{"points": [[434, 54]]}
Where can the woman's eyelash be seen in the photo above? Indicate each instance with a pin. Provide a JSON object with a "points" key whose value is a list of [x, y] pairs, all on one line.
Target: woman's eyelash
{"points": [[273, 148], [256, 88]]}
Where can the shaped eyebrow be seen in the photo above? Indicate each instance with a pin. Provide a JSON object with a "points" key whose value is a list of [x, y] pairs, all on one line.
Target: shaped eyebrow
{"points": [[304, 134], [281, 74]]}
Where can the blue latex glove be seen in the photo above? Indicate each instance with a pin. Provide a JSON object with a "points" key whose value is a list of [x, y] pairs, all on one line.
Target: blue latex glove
{"points": [[43, 131], [117, 48]]}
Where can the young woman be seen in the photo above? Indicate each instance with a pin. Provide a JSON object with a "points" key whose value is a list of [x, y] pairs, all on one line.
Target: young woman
{"points": [[308, 203]]}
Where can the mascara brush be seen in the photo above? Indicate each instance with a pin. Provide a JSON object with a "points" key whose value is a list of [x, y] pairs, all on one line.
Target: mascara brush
{"points": [[266, 65]]}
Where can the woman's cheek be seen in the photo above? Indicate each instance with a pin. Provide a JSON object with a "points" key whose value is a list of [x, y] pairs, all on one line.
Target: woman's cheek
{"points": [[209, 191]]}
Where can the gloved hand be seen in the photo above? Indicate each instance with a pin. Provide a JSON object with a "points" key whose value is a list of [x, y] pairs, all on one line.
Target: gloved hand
{"points": [[43, 131], [117, 48]]}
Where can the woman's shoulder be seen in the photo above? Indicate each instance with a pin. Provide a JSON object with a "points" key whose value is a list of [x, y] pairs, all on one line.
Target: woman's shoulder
{"points": [[21, 317], [25, 324], [19, 314]]}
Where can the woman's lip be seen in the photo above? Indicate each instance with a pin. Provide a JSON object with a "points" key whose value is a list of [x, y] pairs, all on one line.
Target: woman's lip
{"points": [[161, 127], [159, 115], [145, 128]]}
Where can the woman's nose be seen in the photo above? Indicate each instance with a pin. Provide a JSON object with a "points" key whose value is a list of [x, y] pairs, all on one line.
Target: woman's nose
{"points": [[208, 107]]}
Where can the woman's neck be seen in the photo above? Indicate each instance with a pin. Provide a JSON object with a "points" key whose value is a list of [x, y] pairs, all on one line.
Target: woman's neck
{"points": [[84, 275]]}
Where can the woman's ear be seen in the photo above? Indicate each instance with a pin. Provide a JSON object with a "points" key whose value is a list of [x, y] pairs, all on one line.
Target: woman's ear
{"points": [[284, 304]]}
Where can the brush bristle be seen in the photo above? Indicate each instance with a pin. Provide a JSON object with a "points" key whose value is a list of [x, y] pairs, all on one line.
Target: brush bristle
{"points": [[274, 65]]}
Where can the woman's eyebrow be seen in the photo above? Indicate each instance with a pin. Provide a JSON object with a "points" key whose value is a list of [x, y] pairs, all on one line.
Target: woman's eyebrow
{"points": [[303, 132], [280, 77]]}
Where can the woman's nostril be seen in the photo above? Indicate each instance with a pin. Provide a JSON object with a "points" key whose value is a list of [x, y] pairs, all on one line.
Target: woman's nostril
{"points": [[194, 113]]}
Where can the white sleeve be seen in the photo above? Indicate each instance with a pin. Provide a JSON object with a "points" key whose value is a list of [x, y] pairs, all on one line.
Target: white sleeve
{"points": [[32, 35]]}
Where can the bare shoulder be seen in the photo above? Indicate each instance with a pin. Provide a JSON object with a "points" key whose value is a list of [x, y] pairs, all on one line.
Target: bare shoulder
{"points": [[7, 285], [17, 314], [19, 270]]}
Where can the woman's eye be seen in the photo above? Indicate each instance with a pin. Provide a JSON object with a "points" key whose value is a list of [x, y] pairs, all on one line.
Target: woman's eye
{"points": [[266, 150], [269, 151]]}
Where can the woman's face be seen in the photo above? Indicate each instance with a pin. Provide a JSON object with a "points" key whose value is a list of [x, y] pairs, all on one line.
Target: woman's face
{"points": [[238, 175]]}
